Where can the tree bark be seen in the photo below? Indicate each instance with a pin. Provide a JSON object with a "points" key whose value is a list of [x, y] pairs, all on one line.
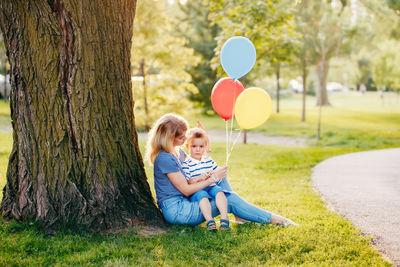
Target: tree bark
{"points": [[322, 93], [146, 110], [75, 156]]}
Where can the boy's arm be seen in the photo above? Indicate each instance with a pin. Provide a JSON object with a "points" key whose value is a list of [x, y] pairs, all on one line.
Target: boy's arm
{"points": [[213, 164], [199, 178]]}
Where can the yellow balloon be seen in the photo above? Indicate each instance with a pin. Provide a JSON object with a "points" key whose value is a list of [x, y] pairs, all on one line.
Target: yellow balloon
{"points": [[252, 108]]}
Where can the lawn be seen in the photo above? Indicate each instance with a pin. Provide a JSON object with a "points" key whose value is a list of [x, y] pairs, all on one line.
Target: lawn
{"points": [[352, 120], [277, 179]]}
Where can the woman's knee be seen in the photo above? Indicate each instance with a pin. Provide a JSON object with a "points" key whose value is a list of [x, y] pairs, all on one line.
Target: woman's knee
{"points": [[233, 200]]}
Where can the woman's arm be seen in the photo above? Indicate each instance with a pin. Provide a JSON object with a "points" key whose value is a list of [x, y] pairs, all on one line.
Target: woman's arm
{"points": [[180, 182], [200, 178]]}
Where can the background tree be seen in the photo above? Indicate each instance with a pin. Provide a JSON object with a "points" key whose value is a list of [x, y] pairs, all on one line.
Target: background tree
{"points": [[330, 31], [386, 68], [302, 53], [395, 5], [193, 23], [278, 55], [163, 59], [265, 23], [75, 157]]}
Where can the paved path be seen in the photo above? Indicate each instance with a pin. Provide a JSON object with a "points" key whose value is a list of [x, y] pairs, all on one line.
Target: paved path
{"points": [[220, 136], [365, 188], [252, 138]]}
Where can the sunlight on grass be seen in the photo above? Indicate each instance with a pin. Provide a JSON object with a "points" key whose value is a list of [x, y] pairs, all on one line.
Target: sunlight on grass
{"points": [[4, 108], [5, 149], [278, 179]]}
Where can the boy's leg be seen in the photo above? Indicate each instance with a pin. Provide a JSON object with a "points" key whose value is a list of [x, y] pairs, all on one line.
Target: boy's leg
{"points": [[222, 204], [205, 208]]}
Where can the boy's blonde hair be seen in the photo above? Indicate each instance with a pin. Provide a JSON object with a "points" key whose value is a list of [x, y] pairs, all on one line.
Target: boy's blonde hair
{"points": [[163, 133], [196, 133]]}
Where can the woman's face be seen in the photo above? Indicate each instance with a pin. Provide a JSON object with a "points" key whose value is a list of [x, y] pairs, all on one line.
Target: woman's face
{"points": [[180, 140]]}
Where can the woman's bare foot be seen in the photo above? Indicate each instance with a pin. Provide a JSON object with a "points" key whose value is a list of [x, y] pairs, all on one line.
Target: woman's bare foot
{"points": [[279, 220], [239, 220]]}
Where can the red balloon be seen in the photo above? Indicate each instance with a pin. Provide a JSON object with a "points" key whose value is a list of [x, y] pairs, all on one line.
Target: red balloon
{"points": [[223, 96]]}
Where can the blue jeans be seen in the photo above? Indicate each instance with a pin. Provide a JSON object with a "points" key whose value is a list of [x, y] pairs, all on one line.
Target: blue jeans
{"points": [[180, 210], [209, 192]]}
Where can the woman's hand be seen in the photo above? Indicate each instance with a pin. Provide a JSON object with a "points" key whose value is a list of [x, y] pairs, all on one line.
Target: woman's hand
{"points": [[220, 173], [180, 182]]}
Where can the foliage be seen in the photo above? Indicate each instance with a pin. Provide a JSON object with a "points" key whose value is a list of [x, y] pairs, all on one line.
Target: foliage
{"points": [[166, 59], [386, 65], [278, 179], [328, 31], [192, 23], [394, 4], [266, 23]]}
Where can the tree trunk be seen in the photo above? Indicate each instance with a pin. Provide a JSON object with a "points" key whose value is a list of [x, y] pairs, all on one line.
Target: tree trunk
{"points": [[322, 93], [146, 110], [75, 156], [304, 70], [278, 86]]}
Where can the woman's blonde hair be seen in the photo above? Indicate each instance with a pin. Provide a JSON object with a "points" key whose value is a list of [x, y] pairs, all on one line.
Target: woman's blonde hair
{"points": [[163, 133]]}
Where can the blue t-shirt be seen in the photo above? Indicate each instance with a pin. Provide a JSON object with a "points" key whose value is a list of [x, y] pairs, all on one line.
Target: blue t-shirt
{"points": [[163, 164]]}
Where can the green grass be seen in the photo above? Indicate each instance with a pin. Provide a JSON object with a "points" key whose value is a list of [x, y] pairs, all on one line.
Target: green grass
{"points": [[278, 179], [5, 119], [4, 108], [5, 148], [353, 120]]}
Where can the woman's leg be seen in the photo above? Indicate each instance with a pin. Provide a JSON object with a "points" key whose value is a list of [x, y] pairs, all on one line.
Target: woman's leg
{"points": [[222, 204], [243, 209], [180, 210], [227, 186], [205, 208]]}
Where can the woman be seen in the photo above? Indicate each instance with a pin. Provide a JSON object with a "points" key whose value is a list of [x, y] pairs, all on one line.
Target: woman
{"points": [[172, 188]]}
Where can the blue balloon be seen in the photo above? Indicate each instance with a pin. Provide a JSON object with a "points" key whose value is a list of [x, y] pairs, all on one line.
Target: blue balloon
{"points": [[238, 56]]}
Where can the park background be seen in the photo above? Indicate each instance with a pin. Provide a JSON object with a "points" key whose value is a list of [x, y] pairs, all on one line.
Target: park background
{"points": [[336, 47]]}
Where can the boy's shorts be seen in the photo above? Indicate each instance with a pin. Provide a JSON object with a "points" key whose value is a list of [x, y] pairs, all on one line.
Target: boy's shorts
{"points": [[208, 192]]}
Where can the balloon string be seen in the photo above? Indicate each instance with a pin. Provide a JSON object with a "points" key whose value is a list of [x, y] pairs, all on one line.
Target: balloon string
{"points": [[233, 145], [233, 110], [227, 141]]}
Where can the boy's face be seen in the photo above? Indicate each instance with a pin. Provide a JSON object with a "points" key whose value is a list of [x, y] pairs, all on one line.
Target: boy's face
{"points": [[197, 148]]}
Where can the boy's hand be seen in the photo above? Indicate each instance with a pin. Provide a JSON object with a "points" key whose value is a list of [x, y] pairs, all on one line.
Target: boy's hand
{"points": [[221, 172], [199, 125]]}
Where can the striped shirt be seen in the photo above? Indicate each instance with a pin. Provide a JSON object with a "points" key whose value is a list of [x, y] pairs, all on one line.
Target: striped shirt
{"points": [[194, 168]]}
